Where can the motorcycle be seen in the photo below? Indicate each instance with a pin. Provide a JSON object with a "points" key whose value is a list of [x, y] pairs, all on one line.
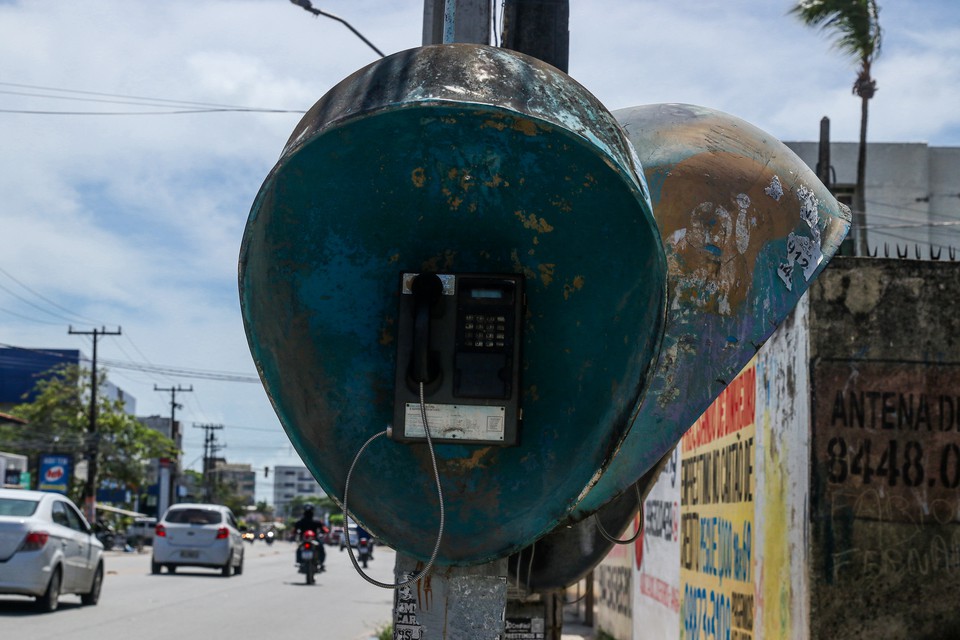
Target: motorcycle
{"points": [[308, 556], [364, 552], [268, 538]]}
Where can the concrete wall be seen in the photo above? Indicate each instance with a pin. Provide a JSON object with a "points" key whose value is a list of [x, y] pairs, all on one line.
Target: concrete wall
{"points": [[885, 468], [853, 498]]}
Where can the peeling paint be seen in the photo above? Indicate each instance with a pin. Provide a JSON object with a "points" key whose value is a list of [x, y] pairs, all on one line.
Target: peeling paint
{"points": [[774, 189]]}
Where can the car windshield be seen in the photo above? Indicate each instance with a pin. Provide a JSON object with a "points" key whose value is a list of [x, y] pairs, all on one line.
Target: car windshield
{"points": [[17, 507], [194, 516]]}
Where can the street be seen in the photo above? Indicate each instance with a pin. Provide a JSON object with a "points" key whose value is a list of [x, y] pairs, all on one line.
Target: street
{"points": [[270, 599]]}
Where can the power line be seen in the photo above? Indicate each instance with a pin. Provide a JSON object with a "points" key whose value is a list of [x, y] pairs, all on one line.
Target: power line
{"points": [[23, 317], [46, 299], [125, 96], [177, 112], [182, 372], [185, 106]]}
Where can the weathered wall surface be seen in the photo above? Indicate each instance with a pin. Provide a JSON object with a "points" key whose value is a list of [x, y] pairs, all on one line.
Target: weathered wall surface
{"points": [[885, 466], [853, 510], [782, 479]]}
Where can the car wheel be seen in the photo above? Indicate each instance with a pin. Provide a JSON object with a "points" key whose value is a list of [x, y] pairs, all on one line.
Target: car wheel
{"points": [[227, 569], [92, 597], [51, 598], [154, 567], [238, 570], [171, 568]]}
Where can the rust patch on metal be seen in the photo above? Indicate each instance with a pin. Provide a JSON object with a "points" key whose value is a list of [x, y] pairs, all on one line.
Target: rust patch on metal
{"points": [[440, 263], [526, 127], [418, 177], [475, 461], [709, 241], [493, 124], [572, 287], [546, 273], [531, 221], [386, 331]]}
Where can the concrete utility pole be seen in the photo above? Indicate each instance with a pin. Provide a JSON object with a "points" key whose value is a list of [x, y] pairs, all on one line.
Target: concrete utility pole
{"points": [[175, 436], [90, 499]]}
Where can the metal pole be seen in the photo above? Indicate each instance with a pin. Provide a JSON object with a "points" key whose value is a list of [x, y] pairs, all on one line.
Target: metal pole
{"points": [[539, 29], [448, 21]]}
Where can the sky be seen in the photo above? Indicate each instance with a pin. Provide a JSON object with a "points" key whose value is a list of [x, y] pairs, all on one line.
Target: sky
{"points": [[124, 193]]}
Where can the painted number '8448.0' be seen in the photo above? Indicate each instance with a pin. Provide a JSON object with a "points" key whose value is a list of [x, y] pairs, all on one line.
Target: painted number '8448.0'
{"points": [[906, 466]]}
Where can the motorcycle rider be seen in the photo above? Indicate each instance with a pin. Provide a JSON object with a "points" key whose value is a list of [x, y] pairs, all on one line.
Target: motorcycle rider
{"points": [[363, 534], [308, 523]]}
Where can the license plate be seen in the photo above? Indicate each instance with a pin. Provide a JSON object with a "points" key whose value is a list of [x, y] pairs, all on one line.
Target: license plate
{"points": [[190, 553], [306, 555]]}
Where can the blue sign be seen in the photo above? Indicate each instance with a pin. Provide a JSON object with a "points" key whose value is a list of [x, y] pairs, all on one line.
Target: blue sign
{"points": [[55, 472]]}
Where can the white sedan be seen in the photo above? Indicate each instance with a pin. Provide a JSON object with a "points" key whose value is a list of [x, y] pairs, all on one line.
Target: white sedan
{"points": [[47, 549], [198, 535]]}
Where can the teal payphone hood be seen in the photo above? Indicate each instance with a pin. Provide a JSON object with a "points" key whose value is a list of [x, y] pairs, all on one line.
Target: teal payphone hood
{"points": [[455, 158]]}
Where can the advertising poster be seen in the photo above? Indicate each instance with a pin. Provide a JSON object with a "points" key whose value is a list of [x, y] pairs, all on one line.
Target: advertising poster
{"points": [[656, 590], [55, 472], [717, 517]]}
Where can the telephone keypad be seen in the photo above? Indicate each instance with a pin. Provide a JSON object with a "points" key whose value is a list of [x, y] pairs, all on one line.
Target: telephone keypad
{"points": [[485, 330]]}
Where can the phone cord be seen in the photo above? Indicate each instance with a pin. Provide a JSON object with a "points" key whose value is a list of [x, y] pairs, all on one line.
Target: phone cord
{"points": [[436, 476], [603, 532]]}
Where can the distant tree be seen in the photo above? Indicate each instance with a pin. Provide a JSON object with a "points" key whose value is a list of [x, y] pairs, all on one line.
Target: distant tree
{"points": [[855, 25], [265, 509], [58, 420]]}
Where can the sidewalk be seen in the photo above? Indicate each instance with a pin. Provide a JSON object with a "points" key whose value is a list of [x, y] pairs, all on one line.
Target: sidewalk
{"points": [[574, 629]]}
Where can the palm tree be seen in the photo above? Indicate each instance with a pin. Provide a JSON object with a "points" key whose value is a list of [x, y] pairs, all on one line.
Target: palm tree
{"points": [[856, 25]]}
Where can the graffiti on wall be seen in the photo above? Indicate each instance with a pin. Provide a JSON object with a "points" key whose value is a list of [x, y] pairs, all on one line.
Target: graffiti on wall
{"points": [[717, 517], [887, 450], [613, 588]]}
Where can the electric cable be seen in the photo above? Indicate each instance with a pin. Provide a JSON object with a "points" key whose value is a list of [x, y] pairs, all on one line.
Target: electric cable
{"points": [[436, 476], [603, 532], [46, 299]]}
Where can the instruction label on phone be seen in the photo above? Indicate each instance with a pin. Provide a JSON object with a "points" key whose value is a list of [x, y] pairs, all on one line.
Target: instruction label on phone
{"points": [[456, 422]]}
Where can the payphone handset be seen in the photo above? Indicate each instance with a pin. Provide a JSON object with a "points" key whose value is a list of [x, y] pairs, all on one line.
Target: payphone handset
{"points": [[459, 337]]}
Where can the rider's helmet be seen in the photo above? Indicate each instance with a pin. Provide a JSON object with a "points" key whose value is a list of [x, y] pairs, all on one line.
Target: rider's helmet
{"points": [[308, 511]]}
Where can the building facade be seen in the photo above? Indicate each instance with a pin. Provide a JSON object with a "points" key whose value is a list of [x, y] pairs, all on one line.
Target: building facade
{"points": [[238, 479], [291, 482], [912, 195], [21, 369]]}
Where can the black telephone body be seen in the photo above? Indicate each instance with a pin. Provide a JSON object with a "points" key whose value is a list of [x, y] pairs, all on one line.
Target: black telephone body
{"points": [[460, 335]]}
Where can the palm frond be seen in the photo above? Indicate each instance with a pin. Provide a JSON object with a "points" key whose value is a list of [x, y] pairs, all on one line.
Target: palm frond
{"points": [[855, 23]]}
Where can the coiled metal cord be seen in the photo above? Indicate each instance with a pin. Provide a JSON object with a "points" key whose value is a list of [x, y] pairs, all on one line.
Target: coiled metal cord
{"points": [[436, 476]]}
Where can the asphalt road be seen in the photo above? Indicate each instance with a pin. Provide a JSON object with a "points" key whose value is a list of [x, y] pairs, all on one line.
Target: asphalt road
{"points": [[270, 600]]}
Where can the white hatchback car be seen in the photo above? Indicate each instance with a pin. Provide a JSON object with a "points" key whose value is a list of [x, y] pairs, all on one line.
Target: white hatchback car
{"points": [[198, 535], [47, 549]]}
